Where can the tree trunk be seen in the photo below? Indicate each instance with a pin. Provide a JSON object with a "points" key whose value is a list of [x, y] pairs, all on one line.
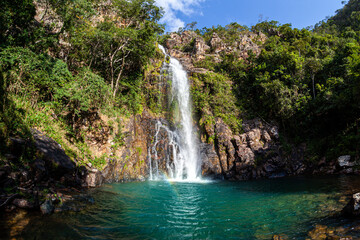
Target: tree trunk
{"points": [[313, 84], [118, 78]]}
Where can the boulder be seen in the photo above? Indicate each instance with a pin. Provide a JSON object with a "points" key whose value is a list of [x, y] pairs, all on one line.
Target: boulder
{"points": [[352, 209], [47, 207], [93, 178], [344, 161], [274, 132], [23, 203], [53, 154]]}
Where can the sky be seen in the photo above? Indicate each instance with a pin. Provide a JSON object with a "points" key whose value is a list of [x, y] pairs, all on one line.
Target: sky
{"points": [[208, 13]]}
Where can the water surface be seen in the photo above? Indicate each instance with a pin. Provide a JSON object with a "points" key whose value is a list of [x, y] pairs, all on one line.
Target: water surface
{"points": [[212, 210]]}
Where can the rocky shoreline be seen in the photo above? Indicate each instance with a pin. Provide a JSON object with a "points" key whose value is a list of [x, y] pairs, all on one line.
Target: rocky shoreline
{"points": [[50, 183], [53, 182], [53, 179]]}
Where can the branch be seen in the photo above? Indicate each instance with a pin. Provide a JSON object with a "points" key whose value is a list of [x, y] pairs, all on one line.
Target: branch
{"points": [[8, 200]]}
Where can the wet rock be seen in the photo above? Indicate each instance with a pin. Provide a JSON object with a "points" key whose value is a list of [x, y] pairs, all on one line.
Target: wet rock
{"points": [[269, 168], [226, 150], [278, 175], [280, 237], [93, 178], [47, 207], [210, 161], [347, 171], [325, 232]]}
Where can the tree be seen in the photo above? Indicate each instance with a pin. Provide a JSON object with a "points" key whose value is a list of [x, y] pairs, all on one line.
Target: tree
{"points": [[122, 42], [312, 66]]}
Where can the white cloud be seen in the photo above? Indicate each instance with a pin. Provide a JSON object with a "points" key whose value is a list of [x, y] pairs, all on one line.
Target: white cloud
{"points": [[171, 7]]}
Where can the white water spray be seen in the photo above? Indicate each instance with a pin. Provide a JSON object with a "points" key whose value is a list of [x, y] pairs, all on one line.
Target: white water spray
{"points": [[182, 164]]}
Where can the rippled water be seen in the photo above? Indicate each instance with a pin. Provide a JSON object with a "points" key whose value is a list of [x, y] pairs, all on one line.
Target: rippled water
{"points": [[213, 210]]}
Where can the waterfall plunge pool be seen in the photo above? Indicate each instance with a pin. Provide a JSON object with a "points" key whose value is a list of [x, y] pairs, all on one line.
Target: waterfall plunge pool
{"points": [[204, 210]]}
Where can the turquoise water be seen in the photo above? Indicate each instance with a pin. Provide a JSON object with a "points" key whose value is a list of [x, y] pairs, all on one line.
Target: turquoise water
{"points": [[213, 210]]}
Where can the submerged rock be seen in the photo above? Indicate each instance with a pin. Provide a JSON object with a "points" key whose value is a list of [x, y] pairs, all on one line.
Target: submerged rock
{"points": [[47, 207], [325, 232], [280, 237]]}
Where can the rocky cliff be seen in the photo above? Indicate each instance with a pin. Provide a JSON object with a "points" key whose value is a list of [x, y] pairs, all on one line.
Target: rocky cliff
{"points": [[190, 48], [257, 151]]}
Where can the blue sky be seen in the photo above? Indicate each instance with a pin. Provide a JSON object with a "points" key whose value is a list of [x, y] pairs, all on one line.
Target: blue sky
{"points": [[208, 13]]}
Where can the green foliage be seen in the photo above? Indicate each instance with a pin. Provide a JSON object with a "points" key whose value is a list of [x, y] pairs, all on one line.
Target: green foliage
{"points": [[19, 28], [16, 20], [348, 16], [99, 162], [87, 92], [213, 92], [207, 63], [121, 45], [229, 33], [31, 74], [306, 80]]}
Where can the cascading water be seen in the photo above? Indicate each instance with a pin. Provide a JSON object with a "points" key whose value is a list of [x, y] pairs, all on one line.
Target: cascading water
{"points": [[182, 161]]}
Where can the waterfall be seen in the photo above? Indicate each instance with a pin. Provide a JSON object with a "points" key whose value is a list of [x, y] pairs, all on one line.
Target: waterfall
{"points": [[182, 160]]}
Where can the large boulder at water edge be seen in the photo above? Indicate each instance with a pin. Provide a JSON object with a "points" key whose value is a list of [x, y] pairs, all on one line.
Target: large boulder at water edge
{"points": [[345, 161], [352, 209], [210, 161], [53, 154], [47, 207]]}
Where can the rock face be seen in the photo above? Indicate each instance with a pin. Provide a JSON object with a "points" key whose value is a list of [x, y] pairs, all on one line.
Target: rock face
{"points": [[254, 154], [53, 154], [210, 161], [131, 161], [200, 47], [190, 48], [94, 178], [216, 43]]}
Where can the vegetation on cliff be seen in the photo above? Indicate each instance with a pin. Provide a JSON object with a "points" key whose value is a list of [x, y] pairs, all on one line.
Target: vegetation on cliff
{"points": [[64, 63], [306, 80]]}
